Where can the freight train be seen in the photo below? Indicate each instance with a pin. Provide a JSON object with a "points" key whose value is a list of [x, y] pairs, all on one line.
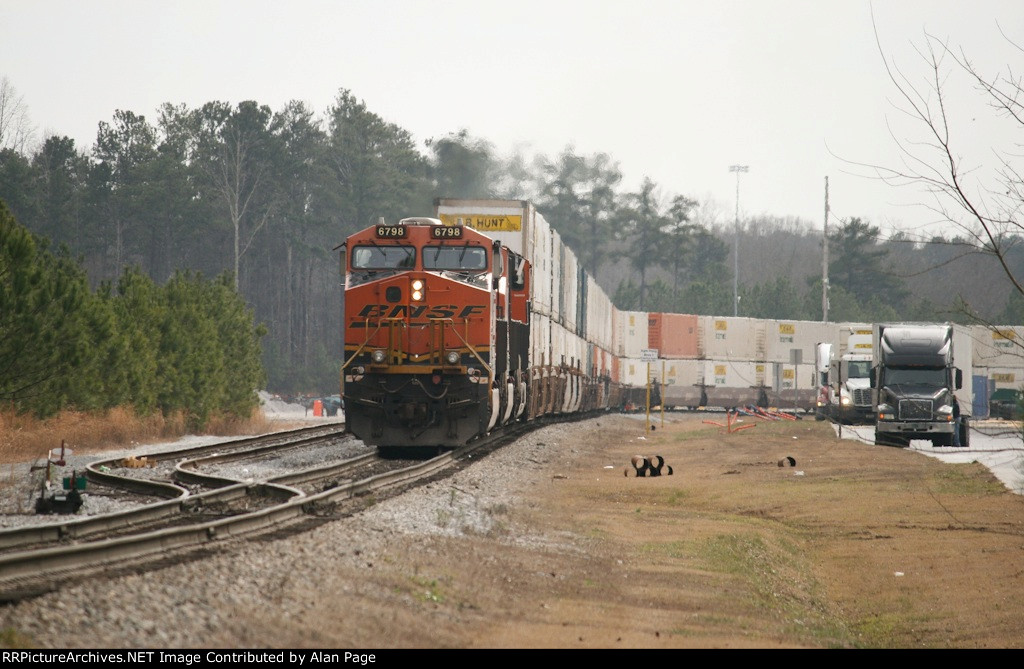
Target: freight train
{"points": [[479, 317], [458, 325]]}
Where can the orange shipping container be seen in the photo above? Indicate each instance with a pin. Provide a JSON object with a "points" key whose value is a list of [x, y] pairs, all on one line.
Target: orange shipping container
{"points": [[678, 336], [654, 320]]}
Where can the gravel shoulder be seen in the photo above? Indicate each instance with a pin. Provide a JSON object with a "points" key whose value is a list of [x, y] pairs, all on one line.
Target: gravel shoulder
{"points": [[548, 544]]}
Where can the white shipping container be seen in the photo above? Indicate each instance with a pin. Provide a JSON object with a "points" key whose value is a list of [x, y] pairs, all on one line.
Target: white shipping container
{"points": [[570, 289], [518, 225], [635, 372], [632, 333], [683, 380], [540, 340], [577, 351], [600, 319], [557, 252], [783, 337], [1000, 346], [731, 383], [791, 385], [731, 338]]}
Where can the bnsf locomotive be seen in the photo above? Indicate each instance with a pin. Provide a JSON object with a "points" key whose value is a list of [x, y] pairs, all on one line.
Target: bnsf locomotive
{"points": [[444, 341]]}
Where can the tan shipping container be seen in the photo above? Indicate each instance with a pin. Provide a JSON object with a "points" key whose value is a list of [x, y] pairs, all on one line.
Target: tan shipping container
{"points": [[731, 338]]}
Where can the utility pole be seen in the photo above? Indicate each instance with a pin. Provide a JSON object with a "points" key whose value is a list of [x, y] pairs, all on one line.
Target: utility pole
{"points": [[736, 245], [824, 262]]}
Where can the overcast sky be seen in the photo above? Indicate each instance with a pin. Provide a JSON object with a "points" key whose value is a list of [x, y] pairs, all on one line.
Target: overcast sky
{"points": [[674, 90]]}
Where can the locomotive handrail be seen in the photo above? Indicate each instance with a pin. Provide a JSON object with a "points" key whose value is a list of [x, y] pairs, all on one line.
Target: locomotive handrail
{"points": [[490, 372], [363, 345]]}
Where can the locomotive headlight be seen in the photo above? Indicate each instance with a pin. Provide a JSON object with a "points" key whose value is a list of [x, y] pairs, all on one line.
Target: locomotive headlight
{"points": [[417, 290], [378, 356], [452, 357]]}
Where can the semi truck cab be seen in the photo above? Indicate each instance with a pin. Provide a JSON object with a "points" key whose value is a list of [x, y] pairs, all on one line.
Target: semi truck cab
{"points": [[916, 382]]}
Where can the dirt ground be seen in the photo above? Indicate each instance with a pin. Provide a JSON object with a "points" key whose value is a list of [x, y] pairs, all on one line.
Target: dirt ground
{"points": [[776, 536]]}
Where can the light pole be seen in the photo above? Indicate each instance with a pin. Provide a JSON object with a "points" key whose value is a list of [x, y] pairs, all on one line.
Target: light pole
{"points": [[736, 247]]}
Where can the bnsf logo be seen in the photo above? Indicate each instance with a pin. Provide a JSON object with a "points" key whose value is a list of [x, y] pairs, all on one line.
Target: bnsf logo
{"points": [[436, 311]]}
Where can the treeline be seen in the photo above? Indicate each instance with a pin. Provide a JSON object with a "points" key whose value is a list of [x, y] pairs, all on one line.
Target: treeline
{"points": [[266, 195], [189, 346]]}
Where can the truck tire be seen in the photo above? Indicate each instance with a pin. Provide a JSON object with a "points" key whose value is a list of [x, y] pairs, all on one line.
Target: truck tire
{"points": [[887, 439]]}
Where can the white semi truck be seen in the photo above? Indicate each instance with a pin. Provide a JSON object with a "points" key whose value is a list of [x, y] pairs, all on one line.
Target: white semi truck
{"points": [[852, 402], [844, 392], [918, 386]]}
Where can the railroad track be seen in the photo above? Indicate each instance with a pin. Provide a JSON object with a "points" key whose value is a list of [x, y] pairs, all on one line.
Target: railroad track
{"points": [[205, 509]]}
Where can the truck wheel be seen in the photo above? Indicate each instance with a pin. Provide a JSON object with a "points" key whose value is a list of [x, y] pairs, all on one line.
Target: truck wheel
{"points": [[886, 439]]}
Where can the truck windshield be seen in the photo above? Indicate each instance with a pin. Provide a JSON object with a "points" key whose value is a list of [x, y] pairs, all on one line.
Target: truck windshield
{"points": [[858, 369], [918, 376]]}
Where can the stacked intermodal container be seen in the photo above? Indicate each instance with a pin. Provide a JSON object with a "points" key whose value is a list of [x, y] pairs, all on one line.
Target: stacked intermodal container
{"points": [[718, 361]]}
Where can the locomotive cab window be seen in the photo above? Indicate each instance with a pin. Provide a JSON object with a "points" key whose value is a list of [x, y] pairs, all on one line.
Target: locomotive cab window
{"points": [[457, 258], [383, 257]]}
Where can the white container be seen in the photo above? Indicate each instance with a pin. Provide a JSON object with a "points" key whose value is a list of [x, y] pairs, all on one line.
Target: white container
{"points": [[1001, 346], [557, 252], [635, 372], [790, 386], [632, 333], [683, 382], [540, 340], [732, 383], [518, 225], [731, 338], [599, 328], [569, 303], [784, 337]]}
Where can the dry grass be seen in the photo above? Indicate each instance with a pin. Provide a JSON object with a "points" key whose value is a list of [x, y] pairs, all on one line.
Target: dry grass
{"points": [[24, 438]]}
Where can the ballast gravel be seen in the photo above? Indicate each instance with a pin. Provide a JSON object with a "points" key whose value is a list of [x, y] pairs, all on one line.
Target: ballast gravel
{"points": [[205, 602]]}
